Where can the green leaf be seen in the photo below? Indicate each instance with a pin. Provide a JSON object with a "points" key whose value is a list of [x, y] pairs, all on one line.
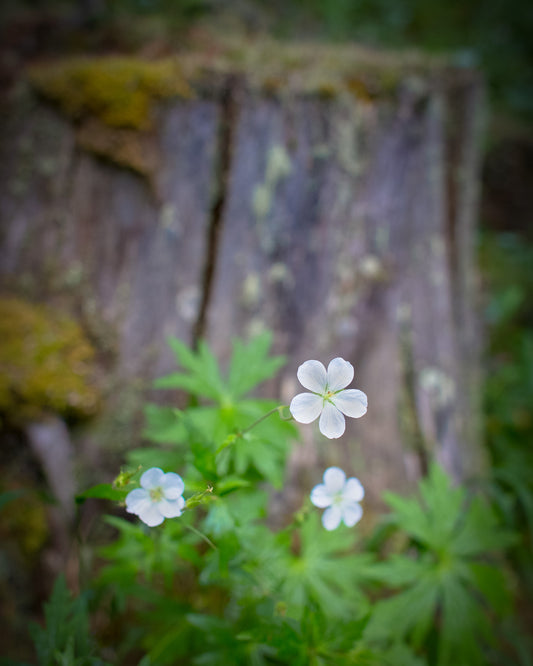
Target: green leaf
{"points": [[492, 582], [250, 364], [103, 491], [324, 570], [202, 376], [479, 532], [65, 638], [169, 460], [433, 519], [410, 612], [219, 519], [164, 425], [397, 570], [409, 516], [401, 655], [231, 483], [463, 623]]}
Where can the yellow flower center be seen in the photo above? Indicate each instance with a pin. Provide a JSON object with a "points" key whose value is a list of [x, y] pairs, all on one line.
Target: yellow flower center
{"points": [[156, 494], [327, 395]]}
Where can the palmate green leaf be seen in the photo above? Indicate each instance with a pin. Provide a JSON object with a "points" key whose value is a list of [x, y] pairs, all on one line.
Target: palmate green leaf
{"points": [[248, 506], [163, 425], [202, 377], [202, 435], [397, 570], [479, 532], [219, 520], [315, 638], [222, 641], [167, 635], [153, 553], [432, 520], [463, 624], [259, 453], [443, 504], [452, 588], [169, 460], [408, 613], [250, 364], [492, 582], [192, 438], [252, 453], [325, 573], [513, 486], [103, 491], [66, 637], [401, 655]]}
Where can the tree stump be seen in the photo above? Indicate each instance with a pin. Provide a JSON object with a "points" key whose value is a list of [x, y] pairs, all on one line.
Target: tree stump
{"points": [[328, 194]]}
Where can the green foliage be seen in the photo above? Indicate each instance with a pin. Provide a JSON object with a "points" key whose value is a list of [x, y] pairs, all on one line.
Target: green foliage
{"points": [[506, 263], [445, 578], [65, 640], [249, 366], [211, 435], [506, 259], [487, 33], [493, 34], [219, 585]]}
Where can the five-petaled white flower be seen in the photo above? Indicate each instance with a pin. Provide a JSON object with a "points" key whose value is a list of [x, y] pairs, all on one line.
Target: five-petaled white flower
{"points": [[159, 497], [340, 497], [328, 399]]}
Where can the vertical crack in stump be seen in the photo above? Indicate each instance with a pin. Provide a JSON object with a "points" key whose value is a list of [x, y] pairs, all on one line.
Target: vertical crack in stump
{"points": [[409, 421], [224, 150]]}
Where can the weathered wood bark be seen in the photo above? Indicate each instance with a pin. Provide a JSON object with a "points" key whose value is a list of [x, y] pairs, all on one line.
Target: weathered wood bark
{"points": [[339, 218]]}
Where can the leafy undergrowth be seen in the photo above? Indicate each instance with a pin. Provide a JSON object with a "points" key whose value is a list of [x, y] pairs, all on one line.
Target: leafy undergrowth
{"points": [[219, 585]]}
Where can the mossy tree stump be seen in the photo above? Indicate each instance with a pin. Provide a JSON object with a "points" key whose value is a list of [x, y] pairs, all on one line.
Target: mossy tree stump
{"points": [[327, 194]]}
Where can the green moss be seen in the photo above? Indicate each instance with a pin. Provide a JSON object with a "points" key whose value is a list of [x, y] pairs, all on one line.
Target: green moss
{"points": [[46, 363], [112, 99], [118, 91], [322, 69], [25, 523]]}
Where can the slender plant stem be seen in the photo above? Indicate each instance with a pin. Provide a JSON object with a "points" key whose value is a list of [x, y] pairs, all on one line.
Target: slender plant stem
{"points": [[202, 536], [262, 418]]}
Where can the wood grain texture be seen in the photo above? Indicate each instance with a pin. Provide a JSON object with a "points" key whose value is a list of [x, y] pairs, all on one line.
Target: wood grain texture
{"points": [[344, 223]]}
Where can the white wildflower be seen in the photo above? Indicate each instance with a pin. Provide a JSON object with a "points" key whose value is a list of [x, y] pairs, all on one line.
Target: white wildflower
{"points": [[329, 398], [340, 497], [159, 497]]}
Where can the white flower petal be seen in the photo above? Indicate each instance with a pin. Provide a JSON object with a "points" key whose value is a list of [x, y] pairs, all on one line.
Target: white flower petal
{"points": [[306, 407], [331, 518], [351, 402], [312, 376], [334, 479], [332, 423], [320, 496], [137, 500], [152, 478], [151, 516], [171, 508], [353, 490], [173, 486], [340, 374], [351, 513]]}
